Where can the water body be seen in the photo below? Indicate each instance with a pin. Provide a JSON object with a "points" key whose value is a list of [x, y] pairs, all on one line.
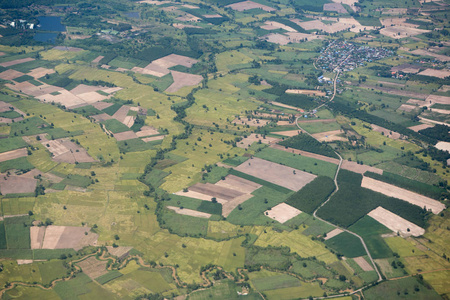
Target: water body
{"points": [[51, 24], [45, 37], [133, 15]]}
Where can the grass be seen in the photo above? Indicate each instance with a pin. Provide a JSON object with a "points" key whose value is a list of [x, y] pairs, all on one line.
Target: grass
{"points": [[371, 230], [17, 234], [3, 243], [307, 164], [36, 125], [12, 143], [11, 114], [87, 110], [73, 288], [312, 195], [195, 204], [407, 288], [76, 180], [134, 145], [309, 269], [51, 270], [317, 127], [346, 244], [115, 126], [185, 225], [111, 110], [235, 161], [403, 247], [275, 282], [222, 290], [303, 291], [297, 242], [251, 212], [108, 277], [20, 163]]}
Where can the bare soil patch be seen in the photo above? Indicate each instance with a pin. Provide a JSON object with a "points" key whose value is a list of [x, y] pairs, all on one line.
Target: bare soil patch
{"points": [[272, 25], [40, 72], [395, 11], [286, 106], [181, 26], [399, 32], [252, 138], [229, 206], [387, 133], [120, 252], [37, 236], [64, 150], [189, 212], [198, 195], [329, 136], [428, 53], [306, 92], [65, 237], [126, 135], [337, 7], [98, 59], [285, 123], [396, 223], [153, 138], [406, 68], [64, 97], [16, 62], [362, 262], [147, 131], [121, 113], [66, 48], [93, 267], [13, 154], [282, 212], [357, 168], [181, 80], [406, 107], [16, 184], [101, 105], [432, 99], [444, 146], [435, 73], [403, 194], [253, 122], [333, 233], [215, 191], [239, 184], [317, 120], [102, 117], [10, 74], [420, 127], [83, 88], [289, 132], [246, 5], [393, 91], [275, 173]]}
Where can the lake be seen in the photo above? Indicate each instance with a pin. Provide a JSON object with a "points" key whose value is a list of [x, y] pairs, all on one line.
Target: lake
{"points": [[51, 24]]}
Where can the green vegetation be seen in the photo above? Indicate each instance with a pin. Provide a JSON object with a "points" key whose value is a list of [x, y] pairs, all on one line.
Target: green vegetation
{"points": [[11, 114], [17, 232], [307, 143], [20, 163], [134, 145], [235, 161], [3, 242], [412, 185], [352, 202], [407, 288], [12, 143], [115, 126], [346, 244], [312, 195], [111, 110], [300, 162], [108, 277], [76, 180], [371, 231]]}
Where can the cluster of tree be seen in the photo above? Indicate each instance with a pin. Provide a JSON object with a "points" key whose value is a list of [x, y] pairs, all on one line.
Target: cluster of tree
{"points": [[305, 142], [344, 107], [352, 202], [312, 195], [438, 132]]}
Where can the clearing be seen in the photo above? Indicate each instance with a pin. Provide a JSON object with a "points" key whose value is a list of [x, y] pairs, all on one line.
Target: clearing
{"points": [[282, 212]]}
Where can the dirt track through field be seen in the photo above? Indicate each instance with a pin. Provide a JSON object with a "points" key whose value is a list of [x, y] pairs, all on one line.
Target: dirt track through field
{"points": [[405, 195]]}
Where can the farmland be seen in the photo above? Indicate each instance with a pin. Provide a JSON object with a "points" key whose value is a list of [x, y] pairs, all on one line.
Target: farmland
{"points": [[228, 149]]}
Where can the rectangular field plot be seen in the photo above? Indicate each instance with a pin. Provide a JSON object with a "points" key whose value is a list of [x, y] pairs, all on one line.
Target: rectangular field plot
{"points": [[282, 212], [396, 223], [396, 192], [281, 175]]}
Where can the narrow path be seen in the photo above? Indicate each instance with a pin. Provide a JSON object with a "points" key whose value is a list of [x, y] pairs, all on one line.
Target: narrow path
{"points": [[380, 278]]}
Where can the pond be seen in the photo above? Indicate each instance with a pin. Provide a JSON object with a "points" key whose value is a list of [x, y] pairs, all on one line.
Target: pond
{"points": [[45, 37], [51, 24]]}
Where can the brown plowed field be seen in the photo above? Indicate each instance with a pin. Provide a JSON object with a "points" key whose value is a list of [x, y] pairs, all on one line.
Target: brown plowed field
{"points": [[13, 154], [215, 191], [239, 184], [287, 177], [357, 168], [126, 135], [362, 262], [16, 184], [93, 267], [16, 62]]}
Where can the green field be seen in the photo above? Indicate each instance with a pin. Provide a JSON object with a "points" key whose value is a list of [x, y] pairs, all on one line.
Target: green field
{"points": [[407, 288], [346, 244], [19, 163], [17, 232], [300, 162]]}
